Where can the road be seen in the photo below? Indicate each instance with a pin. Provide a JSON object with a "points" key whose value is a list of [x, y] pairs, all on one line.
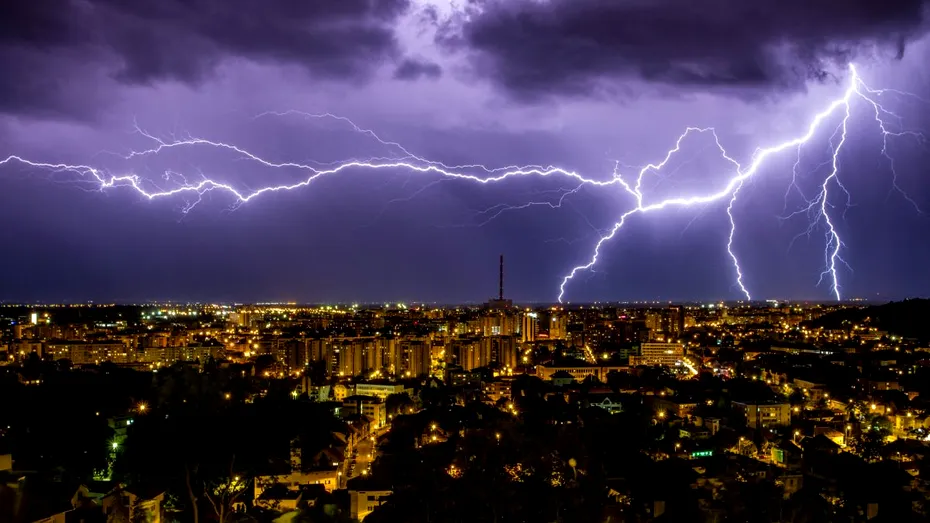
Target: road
{"points": [[365, 453]]}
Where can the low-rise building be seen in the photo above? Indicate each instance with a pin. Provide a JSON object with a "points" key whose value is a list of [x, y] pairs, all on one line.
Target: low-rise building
{"points": [[653, 353], [380, 390], [363, 502], [369, 406], [765, 414], [580, 371], [498, 389], [607, 402]]}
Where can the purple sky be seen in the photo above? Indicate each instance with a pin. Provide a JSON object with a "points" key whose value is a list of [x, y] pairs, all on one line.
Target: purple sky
{"points": [[581, 84]]}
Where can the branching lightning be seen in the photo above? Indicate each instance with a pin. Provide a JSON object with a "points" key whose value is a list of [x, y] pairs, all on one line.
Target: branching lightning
{"points": [[819, 208]]}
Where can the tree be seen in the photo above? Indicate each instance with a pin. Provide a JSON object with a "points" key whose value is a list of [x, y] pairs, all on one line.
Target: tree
{"points": [[398, 403], [139, 513], [224, 491], [871, 441], [205, 448]]}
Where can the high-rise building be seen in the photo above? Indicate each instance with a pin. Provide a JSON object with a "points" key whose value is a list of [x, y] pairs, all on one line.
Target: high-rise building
{"points": [[348, 357], [414, 357], [294, 353], [372, 355], [242, 318], [470, 353], [498, 324], [500, 349], [676, 322], [558, 326], [388, 354], [654, 325], [530, 327]]}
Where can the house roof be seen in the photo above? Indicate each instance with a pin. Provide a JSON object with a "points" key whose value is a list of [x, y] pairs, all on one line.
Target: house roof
{"points": [[144, 490]]}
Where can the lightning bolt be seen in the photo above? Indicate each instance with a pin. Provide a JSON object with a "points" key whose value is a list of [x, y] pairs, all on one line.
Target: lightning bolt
{"points": [[834, 243], [818, 207]]}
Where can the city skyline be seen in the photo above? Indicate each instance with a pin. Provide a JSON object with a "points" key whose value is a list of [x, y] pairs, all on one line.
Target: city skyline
{"points": [[173, 147]]}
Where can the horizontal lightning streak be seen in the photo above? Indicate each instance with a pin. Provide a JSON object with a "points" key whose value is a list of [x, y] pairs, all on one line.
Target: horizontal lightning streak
{"points": [[818, 206]]}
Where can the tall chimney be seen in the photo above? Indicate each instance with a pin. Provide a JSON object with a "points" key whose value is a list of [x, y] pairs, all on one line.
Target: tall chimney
{"points": [[501, 297]]}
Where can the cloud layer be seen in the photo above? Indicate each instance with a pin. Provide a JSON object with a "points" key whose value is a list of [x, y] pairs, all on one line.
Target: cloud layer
{"points": [[534, 48], [49, 53]]}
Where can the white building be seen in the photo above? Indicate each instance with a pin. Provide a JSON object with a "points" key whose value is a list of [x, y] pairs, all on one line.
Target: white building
{"points": [[659, 354], [363, 502]]}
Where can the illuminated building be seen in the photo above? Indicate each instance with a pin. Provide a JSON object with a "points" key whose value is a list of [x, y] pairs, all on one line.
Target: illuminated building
{"points": [[498, 389], [471, 353], [558, 326], [500, 349], [498, 324], [765, 414], [354, 356], [530, 327], [169, 355], [654, 353], [654, 325], [606, 402], [84, 353], [325, 471], [363, 502], [369, 406], [676, 322], [340, 392], [413, 357], [379, 390], [579, 372], [241, 318]]}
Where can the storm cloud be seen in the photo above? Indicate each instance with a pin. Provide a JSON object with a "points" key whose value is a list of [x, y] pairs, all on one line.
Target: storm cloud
{"points": [[413, 69], [534, 48], [57, 55]]}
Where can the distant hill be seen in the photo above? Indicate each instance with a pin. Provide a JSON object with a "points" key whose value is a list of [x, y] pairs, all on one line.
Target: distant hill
{"points": [[908, 318]]}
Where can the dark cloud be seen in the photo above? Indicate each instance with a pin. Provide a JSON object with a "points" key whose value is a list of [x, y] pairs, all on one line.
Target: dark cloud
{"points": [[538, 47], [414, 69], [141, 41]]}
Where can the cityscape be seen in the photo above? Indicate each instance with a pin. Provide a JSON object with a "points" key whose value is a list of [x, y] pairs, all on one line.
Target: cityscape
{"points": [[254, 261], [772, 411]]}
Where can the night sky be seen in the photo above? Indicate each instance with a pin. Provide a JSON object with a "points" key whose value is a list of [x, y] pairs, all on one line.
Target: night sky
{"points": [[597, 87]]}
